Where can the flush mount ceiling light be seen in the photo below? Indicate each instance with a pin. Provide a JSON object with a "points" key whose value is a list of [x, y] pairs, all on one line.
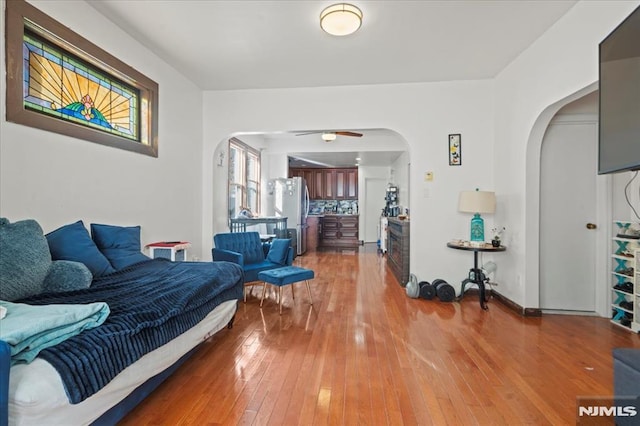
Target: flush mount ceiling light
{"points": [[341, 19], [328, 137]]}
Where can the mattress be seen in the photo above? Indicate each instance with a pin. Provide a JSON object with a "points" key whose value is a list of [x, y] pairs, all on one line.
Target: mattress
{"points": [[37, 395]]}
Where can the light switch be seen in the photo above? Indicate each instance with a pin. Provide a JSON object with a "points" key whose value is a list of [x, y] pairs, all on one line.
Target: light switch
{"points": [[428, 176]]}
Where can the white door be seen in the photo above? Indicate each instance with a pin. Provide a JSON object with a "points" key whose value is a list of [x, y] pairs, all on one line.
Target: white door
{"points": [[375, 190], [567, 204]]}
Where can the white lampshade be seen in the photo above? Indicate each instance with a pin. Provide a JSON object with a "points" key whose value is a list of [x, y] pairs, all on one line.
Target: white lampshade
{"points": [[477, 202], [341, 19], [328, 137]]}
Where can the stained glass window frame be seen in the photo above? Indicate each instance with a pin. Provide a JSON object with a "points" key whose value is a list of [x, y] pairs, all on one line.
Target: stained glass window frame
{"points": [[91, 61]]}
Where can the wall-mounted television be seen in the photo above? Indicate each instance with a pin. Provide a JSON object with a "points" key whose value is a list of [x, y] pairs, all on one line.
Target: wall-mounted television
{"points": [[619, 138]]}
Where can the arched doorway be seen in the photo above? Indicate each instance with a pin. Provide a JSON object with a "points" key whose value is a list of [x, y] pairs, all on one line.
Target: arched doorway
{"points": [[568, 194], [533, 218], [381, 151]]}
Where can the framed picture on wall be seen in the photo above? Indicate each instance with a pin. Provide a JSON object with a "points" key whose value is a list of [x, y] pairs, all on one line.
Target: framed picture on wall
{"points": [[455, 149]]}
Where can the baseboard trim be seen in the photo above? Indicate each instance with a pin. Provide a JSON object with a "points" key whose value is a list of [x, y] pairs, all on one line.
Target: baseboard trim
{"points": [[525, 312]]}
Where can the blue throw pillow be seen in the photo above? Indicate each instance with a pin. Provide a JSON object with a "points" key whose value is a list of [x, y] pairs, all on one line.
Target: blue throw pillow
{"points": [[279, 250], [65, 275], [120, 244], [24, 259], [72, 242]]}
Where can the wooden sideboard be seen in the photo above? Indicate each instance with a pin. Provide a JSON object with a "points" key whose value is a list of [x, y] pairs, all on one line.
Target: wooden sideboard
{"points": [[398, 249]]}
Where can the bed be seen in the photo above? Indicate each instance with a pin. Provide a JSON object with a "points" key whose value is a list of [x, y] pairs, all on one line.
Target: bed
{"points": [[159, 311]]}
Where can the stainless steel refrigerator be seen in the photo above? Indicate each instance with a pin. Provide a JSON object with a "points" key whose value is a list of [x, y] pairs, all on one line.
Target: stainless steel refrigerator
{"points": [[289, 197]]}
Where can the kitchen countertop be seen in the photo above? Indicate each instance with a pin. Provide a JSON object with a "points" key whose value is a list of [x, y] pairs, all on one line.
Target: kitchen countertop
{"points": [[396, 220], [333, 214]]}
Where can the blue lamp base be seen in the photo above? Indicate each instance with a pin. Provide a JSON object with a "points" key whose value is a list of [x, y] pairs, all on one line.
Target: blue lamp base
{"points": [[477, 228]]}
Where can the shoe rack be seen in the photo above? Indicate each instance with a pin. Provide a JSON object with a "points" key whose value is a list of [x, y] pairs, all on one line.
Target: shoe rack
{"points": [[625, 270], [635, 325]]}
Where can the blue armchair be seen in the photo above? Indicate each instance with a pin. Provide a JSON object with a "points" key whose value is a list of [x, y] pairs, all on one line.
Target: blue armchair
{"points": [[247, 250]]}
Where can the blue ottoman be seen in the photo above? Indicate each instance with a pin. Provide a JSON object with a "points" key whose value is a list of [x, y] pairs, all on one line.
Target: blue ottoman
{"points": [[285, 276], [626, 382]]}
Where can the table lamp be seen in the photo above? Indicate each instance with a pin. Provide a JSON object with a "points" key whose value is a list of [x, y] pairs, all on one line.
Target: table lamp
{"points": [[477, 202]]}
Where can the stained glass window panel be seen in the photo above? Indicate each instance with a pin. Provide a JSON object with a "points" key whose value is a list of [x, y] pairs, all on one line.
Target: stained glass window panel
{"points": [[58, 84]]}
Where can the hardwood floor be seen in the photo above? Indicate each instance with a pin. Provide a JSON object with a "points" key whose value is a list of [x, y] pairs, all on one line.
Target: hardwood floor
{"points": [[365, 353]]}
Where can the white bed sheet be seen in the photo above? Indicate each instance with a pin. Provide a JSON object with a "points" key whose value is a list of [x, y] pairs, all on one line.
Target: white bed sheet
{"points": [[37, 396]]}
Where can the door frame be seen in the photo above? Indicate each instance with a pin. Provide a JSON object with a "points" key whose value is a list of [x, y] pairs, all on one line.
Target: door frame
{"points": [[603, 212], [363, 206], [532, 211]]}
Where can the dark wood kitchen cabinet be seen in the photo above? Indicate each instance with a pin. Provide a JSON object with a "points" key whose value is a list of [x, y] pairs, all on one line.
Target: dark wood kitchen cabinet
{"points": [[341, 179], [340, 231], [318, 185], [349, 230], [398, 249], [346, 184], [329, 231], [352, 184], [307, 175], [313, 232], [329, 184]]}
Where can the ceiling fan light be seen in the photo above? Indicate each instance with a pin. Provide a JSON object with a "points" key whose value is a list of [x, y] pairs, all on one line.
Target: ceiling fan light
{"points": [[341, 19], [328, 137]]}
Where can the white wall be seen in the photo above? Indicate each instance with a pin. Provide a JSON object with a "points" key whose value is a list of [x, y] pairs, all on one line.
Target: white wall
{"points": [[57, 179], [559, 67], [621, 208], [422, 114], [400, 176]]}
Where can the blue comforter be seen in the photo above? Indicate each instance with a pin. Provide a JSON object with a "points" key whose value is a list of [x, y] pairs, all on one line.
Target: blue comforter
{"points": [[151, 303]]}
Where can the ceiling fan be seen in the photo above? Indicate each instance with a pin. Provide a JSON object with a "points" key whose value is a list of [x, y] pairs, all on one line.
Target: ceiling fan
{"points": [[330, 135]]}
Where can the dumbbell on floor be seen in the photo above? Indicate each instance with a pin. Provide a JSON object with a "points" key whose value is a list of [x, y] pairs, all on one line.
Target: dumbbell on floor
{"points": [[426, 290], [444, 291]]}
